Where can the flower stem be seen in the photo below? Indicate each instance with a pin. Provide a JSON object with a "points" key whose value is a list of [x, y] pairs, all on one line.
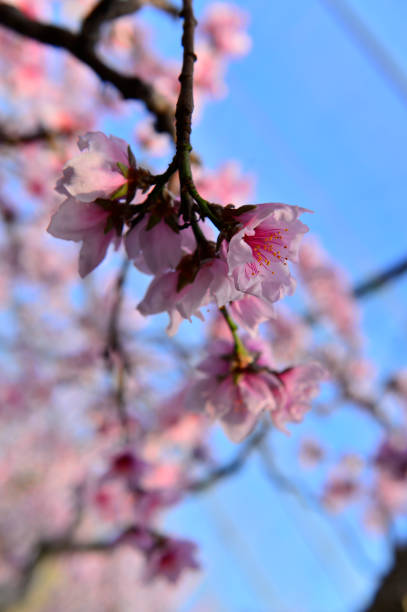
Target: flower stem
{"points": [[240, 349]]}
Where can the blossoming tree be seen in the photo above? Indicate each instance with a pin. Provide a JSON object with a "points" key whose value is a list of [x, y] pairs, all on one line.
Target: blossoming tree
{"points": [[106, 423]]}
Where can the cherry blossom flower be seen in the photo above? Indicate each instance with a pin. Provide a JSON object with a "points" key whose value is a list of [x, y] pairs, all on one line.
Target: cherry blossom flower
{"points": [[250, 311], [234, 394], [297, 387], [311, 453], [169, 558], [330, 291], [290, 336], [340, 490], [154, 143], [183, 292], [128, 466], [209, 73], [258, 252], [99, 170], [392, 458], [224, 24], [159, 248], [225, 185], [86, 223]]}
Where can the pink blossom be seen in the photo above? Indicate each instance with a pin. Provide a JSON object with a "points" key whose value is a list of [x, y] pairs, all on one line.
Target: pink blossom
{"points": [[210, 284], [86, 223], [258, 252], [225, 185], [95, 173], [311, 453], [209, 72], [150, 501], [138, 537], [169, 558], [340, 491], [224, 24], [290, 336], [330, 291], [297, 387], [392, 458], [250, 311], [232, 393], [158, 249], [128, 466], [154, 143]]}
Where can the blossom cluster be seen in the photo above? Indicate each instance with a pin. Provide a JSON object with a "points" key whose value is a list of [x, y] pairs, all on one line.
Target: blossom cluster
{"points": [[246, 268]]}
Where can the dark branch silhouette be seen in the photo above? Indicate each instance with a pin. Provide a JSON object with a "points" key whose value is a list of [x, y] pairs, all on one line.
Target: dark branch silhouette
{"points": [[391, 594], [379, 280], [131, 87]]}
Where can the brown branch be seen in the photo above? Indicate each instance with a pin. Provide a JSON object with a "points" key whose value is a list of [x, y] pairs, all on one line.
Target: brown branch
{"points": [[391, 594], [108, 10], [131, 87], [370, 285], [39, 134], [231, 467], [379, 280], [185, 103], [61, 546], [48, 548]]}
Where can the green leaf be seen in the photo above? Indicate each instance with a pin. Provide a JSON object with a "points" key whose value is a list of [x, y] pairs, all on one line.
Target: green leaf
{"points": [[132, 159], [120, 192], [123, 169]]}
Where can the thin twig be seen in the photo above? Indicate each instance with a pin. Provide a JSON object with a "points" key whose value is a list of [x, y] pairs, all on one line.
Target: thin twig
{"points": [[231, 467], [40, 134], [380, 279]]}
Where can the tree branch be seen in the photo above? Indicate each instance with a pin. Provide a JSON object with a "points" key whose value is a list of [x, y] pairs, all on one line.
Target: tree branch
{"points": [[391, 594], [379, 280], [37, 135], [107, 10], [45, 549], [231, 467], [130, 87]]}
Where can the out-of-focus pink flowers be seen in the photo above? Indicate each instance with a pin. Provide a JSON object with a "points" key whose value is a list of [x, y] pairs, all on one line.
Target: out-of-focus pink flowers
{"points": [[169, 558], [289, 335], [224, 25], [236, 390], [250, 311], [225, 185], [234, 394], [165, 557], [330, 292], [340, 491], [154, 143], [298, 386], [128, 466], [258, 252]]}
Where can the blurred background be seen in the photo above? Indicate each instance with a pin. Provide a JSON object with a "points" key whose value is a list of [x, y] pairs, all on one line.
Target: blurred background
{"points": [[313, 115]]}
